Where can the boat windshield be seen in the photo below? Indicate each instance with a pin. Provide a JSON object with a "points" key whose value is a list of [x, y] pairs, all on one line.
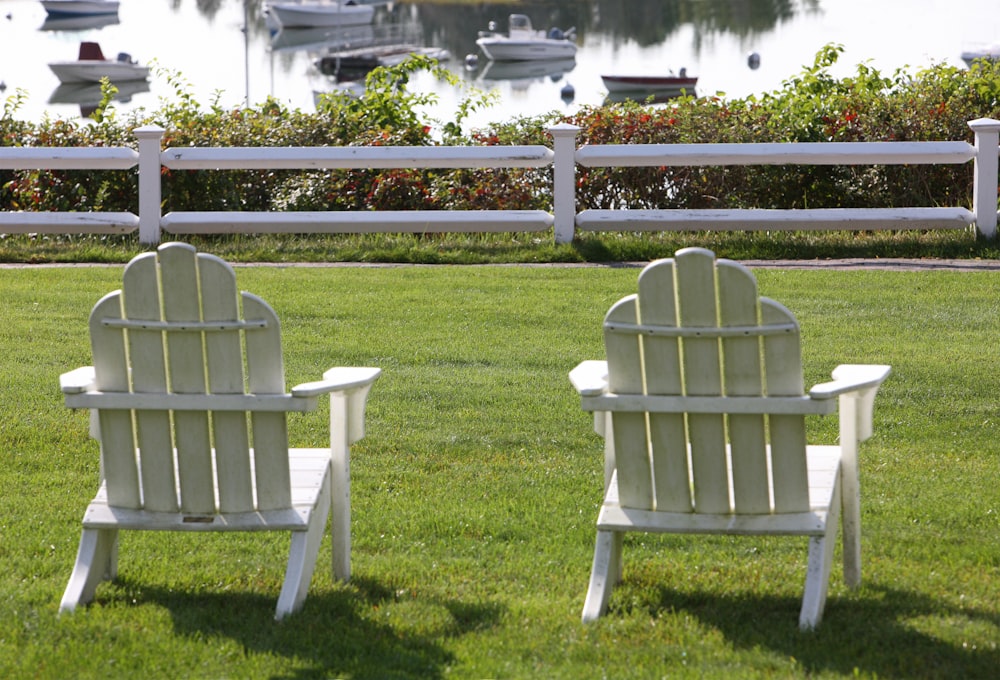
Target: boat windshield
{"points": [[519, 22]]}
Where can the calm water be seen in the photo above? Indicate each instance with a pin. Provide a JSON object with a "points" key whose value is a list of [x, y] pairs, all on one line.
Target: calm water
{"points": [[224, 52]]}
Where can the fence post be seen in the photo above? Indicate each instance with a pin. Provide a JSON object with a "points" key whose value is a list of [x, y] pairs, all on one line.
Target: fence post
{"points": [[149, 137], [564, 181], [984, 187]]}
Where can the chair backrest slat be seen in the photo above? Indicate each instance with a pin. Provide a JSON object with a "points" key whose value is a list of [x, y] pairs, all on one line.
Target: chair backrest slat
{"points": [[224, 358], [266, 375], [697, 307], [705, 463], [783, 359], [737, 290], [186, 375], [662, 359], [118, 462], [141, 301], [635, 484]]}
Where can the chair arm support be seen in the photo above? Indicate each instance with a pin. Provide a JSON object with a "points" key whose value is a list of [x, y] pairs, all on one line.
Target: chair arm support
{"points": [[77, 381], [348, 387], [590, 378], [80, 381], [859, 383]]}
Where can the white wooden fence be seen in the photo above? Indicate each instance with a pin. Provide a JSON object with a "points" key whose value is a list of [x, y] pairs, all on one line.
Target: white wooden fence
{"points": [[565, 220]]}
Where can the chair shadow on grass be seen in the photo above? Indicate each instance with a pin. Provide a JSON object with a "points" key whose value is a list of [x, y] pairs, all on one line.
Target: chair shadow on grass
{"points": [[361, 630], [879, 632]]}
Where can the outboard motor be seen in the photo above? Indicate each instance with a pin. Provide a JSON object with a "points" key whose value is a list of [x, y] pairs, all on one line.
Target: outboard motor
{"points": [[555, 33], [125, 57]]}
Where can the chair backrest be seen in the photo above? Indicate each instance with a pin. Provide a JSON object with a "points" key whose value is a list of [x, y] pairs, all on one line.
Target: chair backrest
{"points": [[173, 343], [698, 330]]}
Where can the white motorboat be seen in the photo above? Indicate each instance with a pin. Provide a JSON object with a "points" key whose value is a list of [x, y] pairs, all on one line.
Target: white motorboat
{"points": [[305, 14], [91, 66], [80, 7], [523, 43]]}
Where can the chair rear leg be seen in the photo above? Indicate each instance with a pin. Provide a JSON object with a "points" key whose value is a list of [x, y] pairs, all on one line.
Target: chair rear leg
{"points": [[96, 560], [604, 574]]}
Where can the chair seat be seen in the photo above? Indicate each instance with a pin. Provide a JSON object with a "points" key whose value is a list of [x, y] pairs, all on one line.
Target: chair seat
{"points": [[309, 470], [823, 466]]}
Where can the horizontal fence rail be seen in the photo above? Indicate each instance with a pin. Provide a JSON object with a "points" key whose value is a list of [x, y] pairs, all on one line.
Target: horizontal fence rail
{"points": [[379, 157], [565, 219], [800, 153], [332, 222]]}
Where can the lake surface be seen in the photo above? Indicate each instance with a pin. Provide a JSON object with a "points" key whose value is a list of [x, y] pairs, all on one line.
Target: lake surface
{"points": [[225, 53]]}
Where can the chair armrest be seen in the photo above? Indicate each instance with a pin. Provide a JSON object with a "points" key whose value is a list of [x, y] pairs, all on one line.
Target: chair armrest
{"points": [[590, 378], [77, 381], [851, 378], [339, 379]]}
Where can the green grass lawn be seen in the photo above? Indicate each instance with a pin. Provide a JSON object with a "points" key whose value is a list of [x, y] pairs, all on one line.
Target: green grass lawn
{"points": [[476, 491]]}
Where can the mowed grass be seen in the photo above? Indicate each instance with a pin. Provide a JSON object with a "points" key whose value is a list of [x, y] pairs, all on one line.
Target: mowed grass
{"points": [[476, 491]]}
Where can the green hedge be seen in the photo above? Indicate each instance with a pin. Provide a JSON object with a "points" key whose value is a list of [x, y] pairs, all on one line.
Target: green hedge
{"points": [[933, 104]]}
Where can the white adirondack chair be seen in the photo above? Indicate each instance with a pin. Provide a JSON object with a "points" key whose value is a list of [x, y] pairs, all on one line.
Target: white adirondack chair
{"points": [[702, 407], [188, 401]]}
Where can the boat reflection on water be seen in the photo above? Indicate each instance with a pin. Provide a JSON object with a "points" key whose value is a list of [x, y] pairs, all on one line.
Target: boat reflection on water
{"points": [[321, 38], [350, 65], [526, 71], [83, 22], [88, 95], [647, 96]]}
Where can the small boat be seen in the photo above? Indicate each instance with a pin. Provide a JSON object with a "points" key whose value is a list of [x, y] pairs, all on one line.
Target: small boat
{"points": [[522, 42], [304, 14], [650, 84], [992, 52], [80, 7], [347, 65], [91, 66]]}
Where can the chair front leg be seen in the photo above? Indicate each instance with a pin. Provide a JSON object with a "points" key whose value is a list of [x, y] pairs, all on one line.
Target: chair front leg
{"points": [[340, 499]]}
